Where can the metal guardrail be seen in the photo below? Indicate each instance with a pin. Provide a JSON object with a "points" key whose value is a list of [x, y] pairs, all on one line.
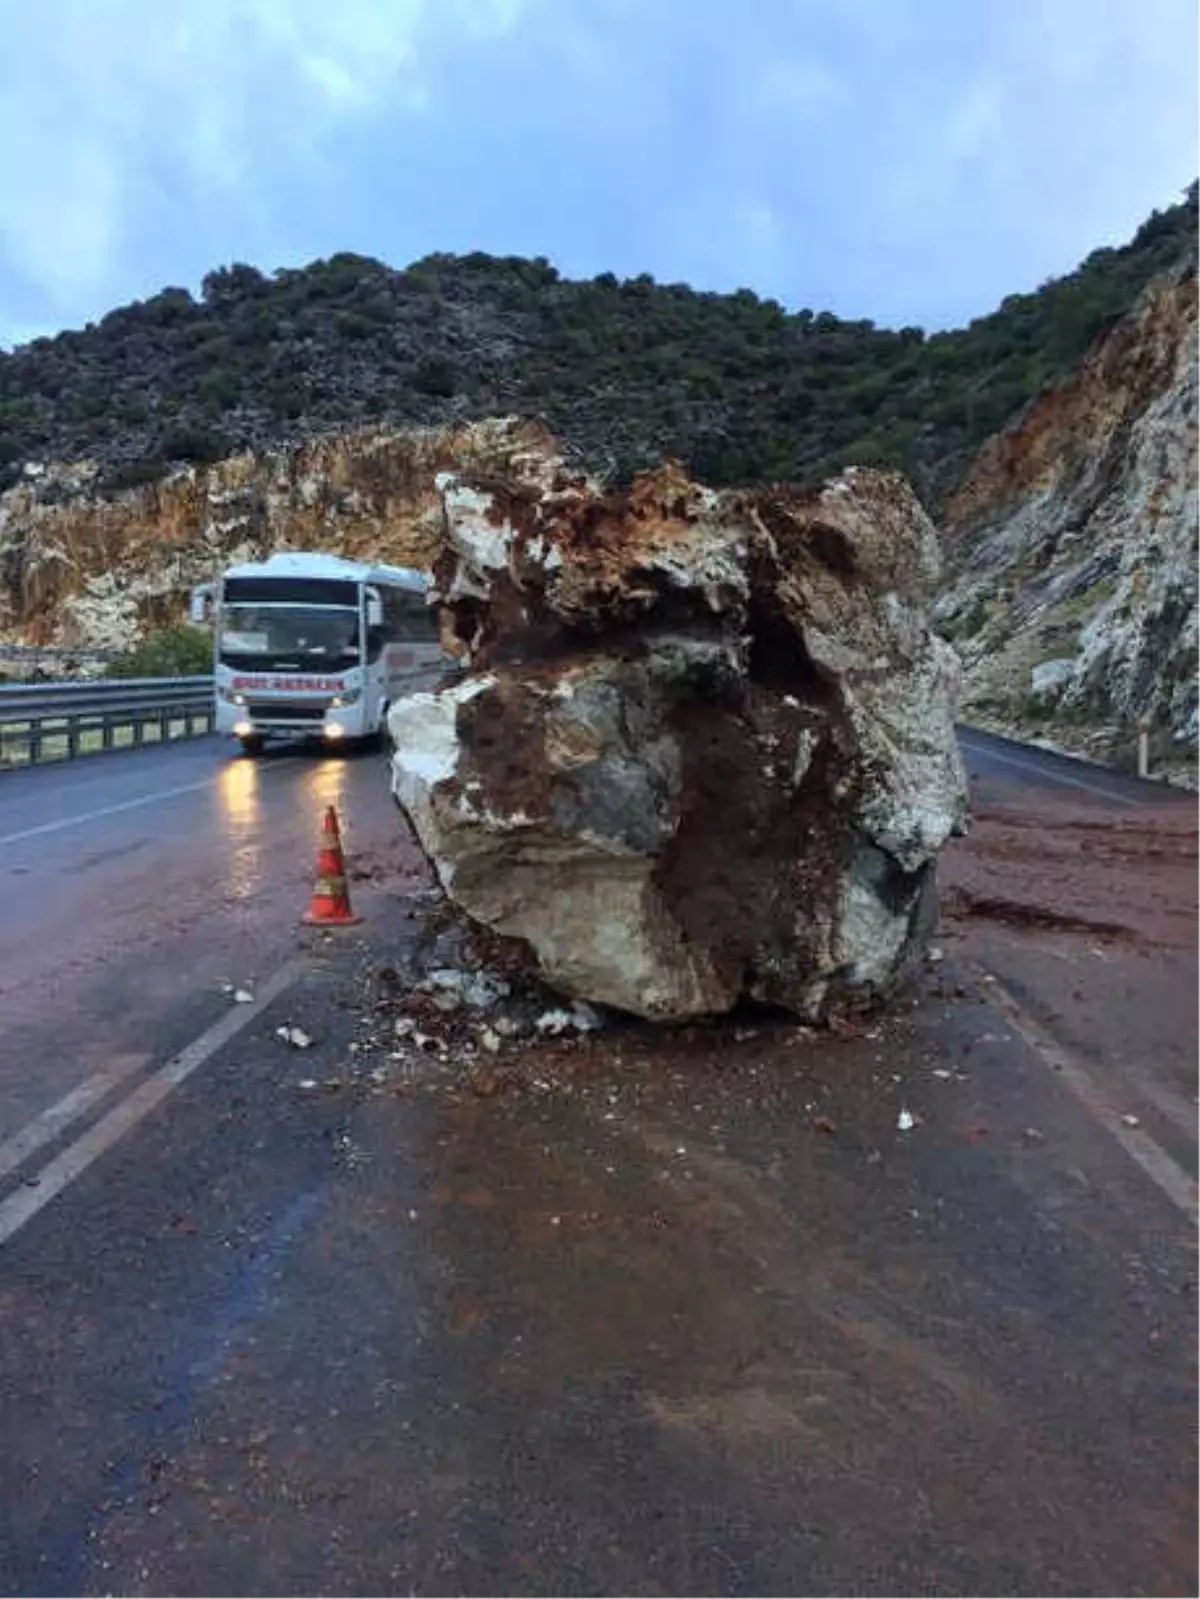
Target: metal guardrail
{"points": [[59, 721], [51, 662]]}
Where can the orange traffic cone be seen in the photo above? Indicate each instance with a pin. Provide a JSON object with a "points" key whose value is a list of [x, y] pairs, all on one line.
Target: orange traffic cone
{"points": [[331, 899]]}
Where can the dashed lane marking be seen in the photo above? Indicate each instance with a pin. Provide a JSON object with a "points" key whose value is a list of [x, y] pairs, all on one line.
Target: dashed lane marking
{"points": [[23, 1205], [44, 1129], [44, 828], [60, 826]]}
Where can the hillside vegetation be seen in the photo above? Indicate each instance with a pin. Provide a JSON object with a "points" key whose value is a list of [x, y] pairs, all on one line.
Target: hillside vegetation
{"points": [[625, 371]]}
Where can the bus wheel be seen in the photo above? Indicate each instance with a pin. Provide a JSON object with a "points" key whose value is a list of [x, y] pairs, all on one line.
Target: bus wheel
{"points": [[252, 744]]}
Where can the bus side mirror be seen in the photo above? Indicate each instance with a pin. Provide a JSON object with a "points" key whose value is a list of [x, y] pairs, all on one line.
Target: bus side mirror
{"points": [[374, 611], [201, 605]]}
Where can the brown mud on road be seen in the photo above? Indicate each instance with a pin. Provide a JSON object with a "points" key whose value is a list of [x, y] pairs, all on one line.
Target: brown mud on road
{"points": [[1079, 867], [1088, 912]]}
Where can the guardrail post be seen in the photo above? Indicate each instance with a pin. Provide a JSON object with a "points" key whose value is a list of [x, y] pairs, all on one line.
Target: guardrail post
{"points": [[72, 737], [1143, 747]]}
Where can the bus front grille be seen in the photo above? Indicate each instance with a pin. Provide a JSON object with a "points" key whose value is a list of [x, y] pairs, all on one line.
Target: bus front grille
{"points": [[265, 712]]}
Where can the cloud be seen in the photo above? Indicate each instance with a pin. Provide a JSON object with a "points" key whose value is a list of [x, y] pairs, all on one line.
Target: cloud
{"points": [[908, 163], [116, 93]]}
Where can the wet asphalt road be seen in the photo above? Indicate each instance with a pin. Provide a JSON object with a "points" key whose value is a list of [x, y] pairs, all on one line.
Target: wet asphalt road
{"points": [[695, 1319], [136, 884]]}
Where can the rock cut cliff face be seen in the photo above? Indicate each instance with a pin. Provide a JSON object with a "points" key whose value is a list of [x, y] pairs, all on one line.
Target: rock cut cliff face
{"points": [[1071, 548], [89, 570]]}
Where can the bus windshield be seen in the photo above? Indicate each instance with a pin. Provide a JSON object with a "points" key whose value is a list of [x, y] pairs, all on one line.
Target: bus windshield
{"points": [[261, 637]]}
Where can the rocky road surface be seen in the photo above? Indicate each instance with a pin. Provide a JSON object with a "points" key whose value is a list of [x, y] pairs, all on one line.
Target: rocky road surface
{"points": [[736, 1309]]}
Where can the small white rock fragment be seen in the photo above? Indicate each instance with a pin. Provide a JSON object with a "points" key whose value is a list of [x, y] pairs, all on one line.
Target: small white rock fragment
{"points": [[307, 1084], [452, 988], [243, 996], [553, 1022], [490, 1039], [581, 1018], [906, 1121], [1131, 1121], [405, 1027], [295, 1036], [942, 1074]]}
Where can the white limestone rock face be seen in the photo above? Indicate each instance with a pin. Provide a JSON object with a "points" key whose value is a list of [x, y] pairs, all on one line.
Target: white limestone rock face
{"points": [[706, 747], [1072, 548]]}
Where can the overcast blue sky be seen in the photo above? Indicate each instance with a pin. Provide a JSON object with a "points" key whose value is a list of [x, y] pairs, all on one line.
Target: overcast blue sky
{"points": [[906, 160]]}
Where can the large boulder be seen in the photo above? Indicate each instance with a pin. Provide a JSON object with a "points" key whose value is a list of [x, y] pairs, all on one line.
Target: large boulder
{"points": [[704, 746]]}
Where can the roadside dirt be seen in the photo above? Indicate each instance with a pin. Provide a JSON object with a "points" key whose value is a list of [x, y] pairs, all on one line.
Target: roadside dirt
{"points": [[1081, 868], [1088, 913]]}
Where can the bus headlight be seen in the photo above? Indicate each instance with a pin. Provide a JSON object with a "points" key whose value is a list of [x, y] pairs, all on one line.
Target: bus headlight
{"points": [[229, 696], [348, 696], [332, 730]]}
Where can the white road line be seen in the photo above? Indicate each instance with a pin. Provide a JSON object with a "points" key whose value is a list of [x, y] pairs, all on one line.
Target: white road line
{"points": [[23, 1205], [124, 805], [43, 1129], [1043, 772], [1150, 1156]]}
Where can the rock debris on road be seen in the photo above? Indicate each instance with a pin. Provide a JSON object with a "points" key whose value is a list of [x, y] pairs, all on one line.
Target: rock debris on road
{"points": [[615, 1310]]}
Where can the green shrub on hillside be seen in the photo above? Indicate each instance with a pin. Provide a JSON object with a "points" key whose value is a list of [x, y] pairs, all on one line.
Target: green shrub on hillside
{"points": [[180, 651], [625, 372]]}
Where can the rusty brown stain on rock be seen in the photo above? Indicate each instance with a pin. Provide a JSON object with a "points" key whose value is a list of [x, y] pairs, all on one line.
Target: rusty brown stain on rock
{"points": [[1057, 432], [706, 749]]}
